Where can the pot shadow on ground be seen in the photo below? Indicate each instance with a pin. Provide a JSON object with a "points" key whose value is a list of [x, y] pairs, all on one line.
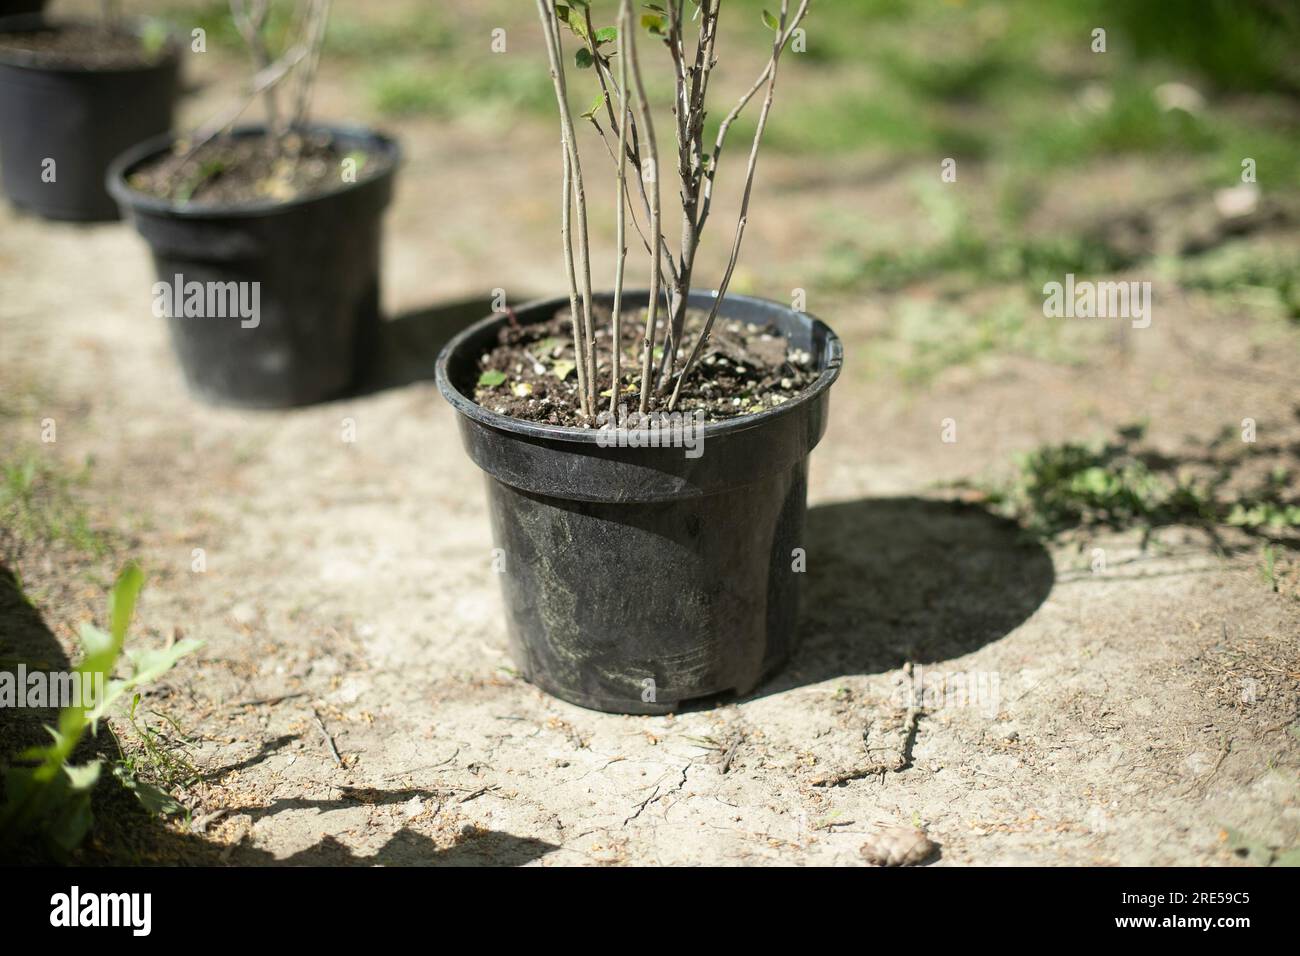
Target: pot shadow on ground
{"points": [[891, 580], [404, 349], [406, 847], [24, 638], [124, 834]]}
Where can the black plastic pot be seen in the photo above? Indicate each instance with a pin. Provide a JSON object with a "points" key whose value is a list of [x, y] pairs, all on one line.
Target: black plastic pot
{"points": [[316, 262], [637, 579], [79, 117]]}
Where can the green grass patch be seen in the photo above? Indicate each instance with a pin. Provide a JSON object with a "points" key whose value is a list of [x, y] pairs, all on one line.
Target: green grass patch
{"points": [[424, 32], [1242, 270], [1236, 45], [1004, 81], [848, 118], [158, 757], [968, 258], [967, 255], [474, 87], [1275, 150], [1130, 121], [214, 19], [1118, 485], [348, 34], [39, 505], [926, 337]]}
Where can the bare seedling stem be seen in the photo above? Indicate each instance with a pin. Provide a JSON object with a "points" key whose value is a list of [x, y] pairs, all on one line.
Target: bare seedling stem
{"points": [[624, 102], [575, 313], [692, 85], [250, 20], [633, 64], [782, 35], [308, 30], [313, 36], [584, 340], [616, 346], [632, 148], [262, 81]]}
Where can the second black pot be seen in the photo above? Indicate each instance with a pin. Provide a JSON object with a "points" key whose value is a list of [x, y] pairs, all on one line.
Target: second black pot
{"points": [[79, 118], [313, 261], [639, 578]]}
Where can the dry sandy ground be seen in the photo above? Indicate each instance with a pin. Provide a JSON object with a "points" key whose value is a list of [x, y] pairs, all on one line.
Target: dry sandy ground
{"points": [[1131, 716]]}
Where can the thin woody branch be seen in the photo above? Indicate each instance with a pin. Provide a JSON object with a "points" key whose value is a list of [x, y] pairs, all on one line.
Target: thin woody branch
{"points": [[573, 195], [616, 345], [632, 149], [782, 35], [250, 20], [313, 33], [628, 32], [782, 39], [262, 81], [308, 29], [632, 157], [624, 102], [690, 109]]}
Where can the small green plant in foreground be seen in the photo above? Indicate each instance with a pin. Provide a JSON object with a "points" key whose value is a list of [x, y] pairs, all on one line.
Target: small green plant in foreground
{"points": [[161, 756], [50, 799], [1071, 485], [1064, 486]]}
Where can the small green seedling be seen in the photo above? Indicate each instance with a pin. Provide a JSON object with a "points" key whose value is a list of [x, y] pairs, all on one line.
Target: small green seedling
{"points": [[52, 798]]}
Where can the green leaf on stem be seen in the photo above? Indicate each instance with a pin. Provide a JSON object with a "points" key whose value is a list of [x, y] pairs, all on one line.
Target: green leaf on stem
{"points": [[596, 104]]}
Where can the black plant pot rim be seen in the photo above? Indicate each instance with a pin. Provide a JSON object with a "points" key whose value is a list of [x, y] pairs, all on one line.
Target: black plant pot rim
{"points": [[589, 436], [22, 22], [121, 167]]}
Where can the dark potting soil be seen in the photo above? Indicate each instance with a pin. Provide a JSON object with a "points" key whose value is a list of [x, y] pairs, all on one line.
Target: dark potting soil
{"points": [[531, 373], [237, 170], [89, 46]]}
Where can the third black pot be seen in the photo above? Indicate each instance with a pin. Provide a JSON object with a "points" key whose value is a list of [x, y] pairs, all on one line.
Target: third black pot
{"points": [[313, 261], [78, 117], [637, 579]]}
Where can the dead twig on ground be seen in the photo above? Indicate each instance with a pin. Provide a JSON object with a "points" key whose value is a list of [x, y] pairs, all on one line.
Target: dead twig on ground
{"points": [[901, 761], [432, 766], [478, 793], [334, 751]]}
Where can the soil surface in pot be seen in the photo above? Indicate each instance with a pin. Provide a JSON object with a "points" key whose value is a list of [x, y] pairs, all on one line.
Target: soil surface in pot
{"points": [[531, 373], [246, 169], [89, 46]]}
